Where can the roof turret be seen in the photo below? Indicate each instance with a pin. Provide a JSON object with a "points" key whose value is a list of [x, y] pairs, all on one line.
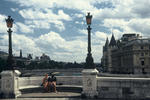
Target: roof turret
{"points": [[112, 41]]}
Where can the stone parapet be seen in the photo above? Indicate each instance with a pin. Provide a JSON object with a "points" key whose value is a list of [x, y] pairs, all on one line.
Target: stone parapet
{"points": [[37, 81], [123, 87], [90, 82], [10, 84]]}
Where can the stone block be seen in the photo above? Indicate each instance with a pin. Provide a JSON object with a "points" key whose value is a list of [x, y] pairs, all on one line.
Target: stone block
{"points": [[10, 84], [90, 82]]}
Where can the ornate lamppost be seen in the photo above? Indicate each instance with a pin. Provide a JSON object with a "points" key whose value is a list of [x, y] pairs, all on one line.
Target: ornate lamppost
{"points": [[9, 22], [89, 58], [9, 77]]}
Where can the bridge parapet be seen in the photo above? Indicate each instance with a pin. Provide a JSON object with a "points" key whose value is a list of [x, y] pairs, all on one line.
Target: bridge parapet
{"points": [[123, 87], [30, 82]]}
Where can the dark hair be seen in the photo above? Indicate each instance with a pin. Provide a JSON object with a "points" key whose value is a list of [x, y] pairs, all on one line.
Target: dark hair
{"points": [[52, 75]]}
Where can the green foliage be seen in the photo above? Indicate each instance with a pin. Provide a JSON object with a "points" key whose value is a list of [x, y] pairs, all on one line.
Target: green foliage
{"points": [[3, 64], [20, 64], [41, 65], [52, 64]]}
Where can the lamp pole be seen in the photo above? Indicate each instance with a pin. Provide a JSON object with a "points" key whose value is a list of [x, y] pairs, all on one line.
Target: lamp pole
{"points": [[89, 58], [9, 22]]}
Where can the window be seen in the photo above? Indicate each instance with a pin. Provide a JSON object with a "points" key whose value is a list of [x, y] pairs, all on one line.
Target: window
{"points": [[142, 62], [146, 53], [143, 71], [105, 88], [142, 54], [142, 47], [126, 90]]}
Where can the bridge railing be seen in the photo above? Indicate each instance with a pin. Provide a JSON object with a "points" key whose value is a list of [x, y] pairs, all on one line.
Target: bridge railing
{"points": [[123, 87], [28, 82]]}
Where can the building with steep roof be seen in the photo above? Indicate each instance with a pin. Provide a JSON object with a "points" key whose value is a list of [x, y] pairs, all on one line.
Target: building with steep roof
{"points": [[106, 58], [112, 41], [130, 54]]}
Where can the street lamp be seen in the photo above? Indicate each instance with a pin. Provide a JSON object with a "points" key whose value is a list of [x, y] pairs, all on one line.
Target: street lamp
{"points": [[9, 22], [89, 58]]}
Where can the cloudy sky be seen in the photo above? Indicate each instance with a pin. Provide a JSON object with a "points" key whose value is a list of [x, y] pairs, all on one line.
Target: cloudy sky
{"points": [[58, 28]]}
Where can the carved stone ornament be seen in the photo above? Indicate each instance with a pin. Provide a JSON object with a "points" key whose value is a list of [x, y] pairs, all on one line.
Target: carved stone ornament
{"points": [[89, 82]]}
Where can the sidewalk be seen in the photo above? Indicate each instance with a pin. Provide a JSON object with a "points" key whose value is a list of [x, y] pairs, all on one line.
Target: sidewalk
{"points": [[51, 95]]}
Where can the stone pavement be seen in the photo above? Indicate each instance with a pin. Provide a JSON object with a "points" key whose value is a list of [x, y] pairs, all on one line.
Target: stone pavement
{"points": [[51, 95], [44, 99]]}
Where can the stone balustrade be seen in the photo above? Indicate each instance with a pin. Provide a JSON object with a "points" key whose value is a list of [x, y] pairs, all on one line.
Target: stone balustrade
{"points": [[93, 86], [27, 82], [123, 87]]}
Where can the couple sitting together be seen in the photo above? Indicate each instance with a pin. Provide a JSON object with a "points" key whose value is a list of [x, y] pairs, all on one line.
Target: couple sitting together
{"points": [[49, 83]]}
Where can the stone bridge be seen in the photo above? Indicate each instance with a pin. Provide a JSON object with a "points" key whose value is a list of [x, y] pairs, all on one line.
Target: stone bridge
{"points": [[89, 84]]}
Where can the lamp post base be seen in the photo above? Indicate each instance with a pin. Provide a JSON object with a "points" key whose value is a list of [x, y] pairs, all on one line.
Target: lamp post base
{"points": [[89, 62]]}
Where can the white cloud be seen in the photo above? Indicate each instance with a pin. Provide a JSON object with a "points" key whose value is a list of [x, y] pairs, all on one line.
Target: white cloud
{"points": [[141, 8], [38, 14], [27, 44], [83, 6], [124, 9], [62, 15], [61, 49], [14, 9], [77, 4], [83, 31], [134, 25], [43, 18], [79, 15], [38, 24], [59, 25], [101, 35], [119, 9], [140, 25], [21, 42], [125, 16], [115, 23], [53, 39], [117, 33], [24, 28], [3, 27], [77, 22]]}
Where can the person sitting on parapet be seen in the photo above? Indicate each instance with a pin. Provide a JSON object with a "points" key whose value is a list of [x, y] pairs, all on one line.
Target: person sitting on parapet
{"points": [[52, 84], [45, 82]]}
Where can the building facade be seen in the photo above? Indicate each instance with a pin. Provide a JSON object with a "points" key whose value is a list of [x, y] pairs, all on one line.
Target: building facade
{"points": [[130, 55]]}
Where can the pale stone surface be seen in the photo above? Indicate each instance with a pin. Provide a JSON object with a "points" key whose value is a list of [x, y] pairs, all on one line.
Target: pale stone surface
{"points": [[10, 84], [128, 86], [90, 82], [25, 82], [45, 99], [51, 95], [123, 87]]}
